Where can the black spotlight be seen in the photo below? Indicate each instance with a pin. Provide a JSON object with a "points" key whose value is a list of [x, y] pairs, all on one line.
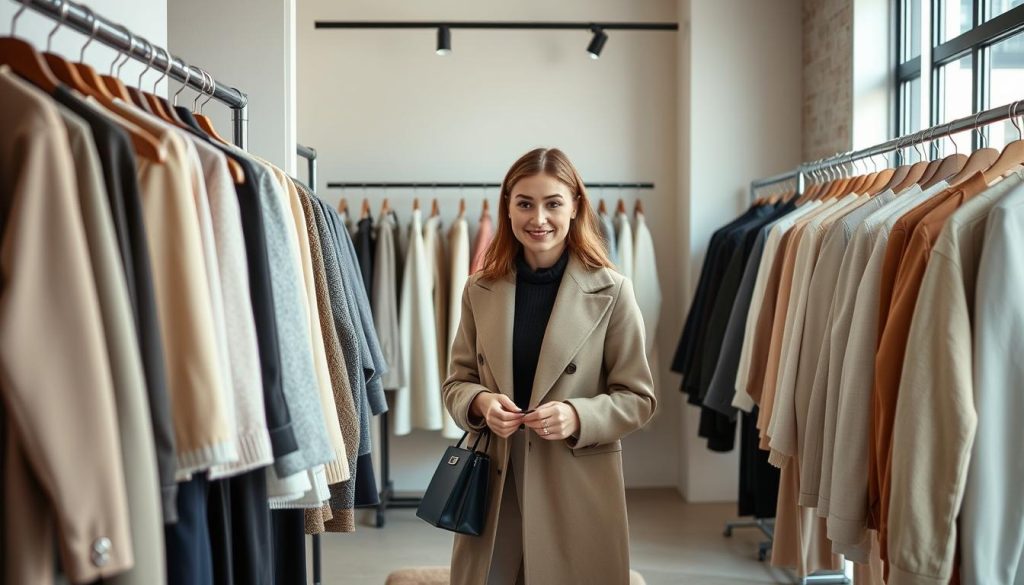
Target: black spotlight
{"points": [[444, 40], [597, 43]]}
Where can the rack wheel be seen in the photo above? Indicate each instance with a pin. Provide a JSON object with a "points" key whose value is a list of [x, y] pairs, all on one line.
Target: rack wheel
{"points": [[380, 518], [728, 532]]}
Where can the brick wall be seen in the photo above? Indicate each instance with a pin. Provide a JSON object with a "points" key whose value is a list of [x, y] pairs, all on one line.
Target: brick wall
{"points": [[828, 77]]}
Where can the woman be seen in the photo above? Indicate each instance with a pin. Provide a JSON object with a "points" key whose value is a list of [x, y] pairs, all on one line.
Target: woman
{"points": [[550, 357]]}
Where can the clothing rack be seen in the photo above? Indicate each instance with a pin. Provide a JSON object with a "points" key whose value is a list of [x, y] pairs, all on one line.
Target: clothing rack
{"points": [[972, 122], [309, 154], [82, 19]]}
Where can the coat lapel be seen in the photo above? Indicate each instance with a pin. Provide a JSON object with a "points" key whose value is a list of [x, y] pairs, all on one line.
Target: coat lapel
{"points": [[579, 307], [494, 328]]}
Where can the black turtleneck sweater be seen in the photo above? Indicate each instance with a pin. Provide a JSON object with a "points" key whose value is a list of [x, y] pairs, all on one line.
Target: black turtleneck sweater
{"points": [[535, 298]]}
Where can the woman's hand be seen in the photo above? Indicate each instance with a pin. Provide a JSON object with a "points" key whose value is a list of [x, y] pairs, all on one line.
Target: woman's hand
{"points": [[554, 421], [502, 415]]}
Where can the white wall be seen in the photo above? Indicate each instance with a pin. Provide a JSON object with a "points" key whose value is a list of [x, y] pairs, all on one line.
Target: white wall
{"points": [[145, 18], [380, 105], [248, 44], [743, 122]]}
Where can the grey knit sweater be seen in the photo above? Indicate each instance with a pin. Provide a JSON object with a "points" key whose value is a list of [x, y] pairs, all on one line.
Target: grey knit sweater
{"points": [[297, 373]]}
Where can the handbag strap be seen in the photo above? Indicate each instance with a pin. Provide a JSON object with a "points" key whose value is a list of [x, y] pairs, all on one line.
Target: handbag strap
{"points": [[487, 445]]}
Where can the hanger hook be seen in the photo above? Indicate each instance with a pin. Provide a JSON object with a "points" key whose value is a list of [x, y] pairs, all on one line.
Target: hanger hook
{"points": [[200, 92], [917, 147], [167, 70], [17, 15], [188, 76], [949, 134], [977, 128], [121, 53], [151, 51], [213, 90], [92, 35], [1013, 119], [60, 22]]}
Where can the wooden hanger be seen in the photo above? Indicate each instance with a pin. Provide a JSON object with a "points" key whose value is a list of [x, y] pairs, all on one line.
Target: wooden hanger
{"points": [[898, 175], [204, 122], [59, 66], [343, 205], [24, 60], [462, 208], [155, 102], [638, 207], [486, 209], [620, 207], [416, 204], [979, 161], [385, 207], [601, 208], [84, 79], [434, 209], [1013, 153], [914, 174], [365, 211], [946, 167], [113, 82]]}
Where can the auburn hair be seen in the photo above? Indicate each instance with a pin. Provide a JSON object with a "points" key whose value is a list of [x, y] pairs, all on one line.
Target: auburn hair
{"points": [[584, 239]]}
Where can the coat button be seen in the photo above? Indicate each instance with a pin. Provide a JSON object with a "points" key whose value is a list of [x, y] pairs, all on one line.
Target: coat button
{"points": [[101, 551], [571, 368], [480, 358]]}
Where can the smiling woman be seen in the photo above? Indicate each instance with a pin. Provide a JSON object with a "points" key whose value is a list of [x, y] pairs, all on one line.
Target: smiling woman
{"points": [[550, 359]]}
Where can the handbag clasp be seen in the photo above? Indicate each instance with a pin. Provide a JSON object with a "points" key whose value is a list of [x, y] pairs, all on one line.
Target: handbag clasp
{"points": [[453, 460]]}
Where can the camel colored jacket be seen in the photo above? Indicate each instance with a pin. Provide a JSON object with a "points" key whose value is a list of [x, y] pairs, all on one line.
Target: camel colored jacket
{"points": [[592, 357]]}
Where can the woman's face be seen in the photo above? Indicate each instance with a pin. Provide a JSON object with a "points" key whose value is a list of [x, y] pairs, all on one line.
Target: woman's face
{"points": [[541, 208]]}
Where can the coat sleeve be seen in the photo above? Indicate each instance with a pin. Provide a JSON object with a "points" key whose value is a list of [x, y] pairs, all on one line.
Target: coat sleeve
{"points": [[629, 401], [57, 383], [463, 383]]}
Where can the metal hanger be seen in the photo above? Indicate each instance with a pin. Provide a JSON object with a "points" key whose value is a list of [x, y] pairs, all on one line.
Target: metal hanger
{"points": [[188, 76]]}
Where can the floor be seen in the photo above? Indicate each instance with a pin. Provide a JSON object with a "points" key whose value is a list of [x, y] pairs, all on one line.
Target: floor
{"points": [[673, 543]]}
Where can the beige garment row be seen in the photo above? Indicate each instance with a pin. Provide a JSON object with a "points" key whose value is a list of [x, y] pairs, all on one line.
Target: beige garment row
{"points": [[809, 361]]}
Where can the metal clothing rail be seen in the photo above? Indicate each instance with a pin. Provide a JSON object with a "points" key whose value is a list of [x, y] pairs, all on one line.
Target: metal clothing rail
{"points": [[974, 121], [512, 25], [82, 19], [310, 155], [463, 185]]}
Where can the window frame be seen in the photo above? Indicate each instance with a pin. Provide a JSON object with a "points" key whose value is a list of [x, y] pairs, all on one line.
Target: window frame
{"points": [[976, 42]]}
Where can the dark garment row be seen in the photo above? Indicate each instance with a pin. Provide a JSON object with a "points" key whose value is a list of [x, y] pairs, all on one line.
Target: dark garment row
{"points": [[708, 349]]}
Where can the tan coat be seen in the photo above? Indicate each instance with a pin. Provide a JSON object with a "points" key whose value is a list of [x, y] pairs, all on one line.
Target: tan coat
{"points": [[574, 518]]}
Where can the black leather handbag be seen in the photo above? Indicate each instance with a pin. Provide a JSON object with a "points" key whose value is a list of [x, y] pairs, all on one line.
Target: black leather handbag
{"points": [[456, 498]]}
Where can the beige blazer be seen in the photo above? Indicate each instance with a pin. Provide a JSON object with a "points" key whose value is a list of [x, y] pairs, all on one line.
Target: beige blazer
{"points": [[573, 495], [57, 386]]}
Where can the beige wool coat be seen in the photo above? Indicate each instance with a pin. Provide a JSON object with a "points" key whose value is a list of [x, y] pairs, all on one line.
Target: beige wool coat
{"points": [[574, 510]]}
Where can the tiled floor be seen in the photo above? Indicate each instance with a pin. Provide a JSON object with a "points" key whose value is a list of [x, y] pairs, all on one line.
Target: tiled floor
{"points": [[673, 543]]}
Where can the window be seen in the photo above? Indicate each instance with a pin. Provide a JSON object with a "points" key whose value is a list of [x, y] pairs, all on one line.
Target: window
{"points": [[975, 62]]}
